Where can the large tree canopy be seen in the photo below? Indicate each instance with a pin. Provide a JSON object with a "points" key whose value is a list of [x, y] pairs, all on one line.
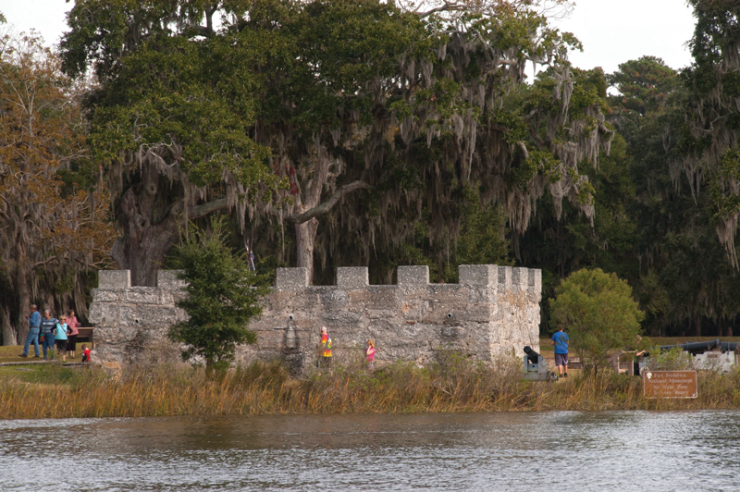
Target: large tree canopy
{"points": [[347, 96]]}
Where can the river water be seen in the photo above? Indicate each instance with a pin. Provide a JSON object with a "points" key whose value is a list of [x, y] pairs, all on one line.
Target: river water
{"points": [[554, 451]]}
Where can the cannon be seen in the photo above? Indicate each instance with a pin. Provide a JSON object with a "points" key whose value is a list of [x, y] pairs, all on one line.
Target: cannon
{"points": [[535, 367], [696, 348]]}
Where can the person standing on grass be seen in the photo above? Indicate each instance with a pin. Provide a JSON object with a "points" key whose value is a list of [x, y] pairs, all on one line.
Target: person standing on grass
{"points": [[370, 352], [61, 337], [72, 332], [560, 341], [325, 349], [48, 324], [34, 325]]}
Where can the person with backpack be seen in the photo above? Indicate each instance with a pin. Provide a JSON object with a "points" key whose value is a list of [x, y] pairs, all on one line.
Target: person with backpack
{"points": [[325, 349]]}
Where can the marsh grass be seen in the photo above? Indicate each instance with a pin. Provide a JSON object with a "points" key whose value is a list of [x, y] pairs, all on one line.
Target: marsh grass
{"points": [[452, 384]]}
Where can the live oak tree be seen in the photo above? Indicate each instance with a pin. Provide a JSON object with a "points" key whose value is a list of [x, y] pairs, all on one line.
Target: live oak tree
{"points": [[356, 101], [51, 235]]}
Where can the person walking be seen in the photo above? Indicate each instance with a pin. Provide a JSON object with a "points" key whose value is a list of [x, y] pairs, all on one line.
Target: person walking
{"points": [[560, 340], [34, 325], [48, 324], [61, 337], [72, 332], [325, 349]]}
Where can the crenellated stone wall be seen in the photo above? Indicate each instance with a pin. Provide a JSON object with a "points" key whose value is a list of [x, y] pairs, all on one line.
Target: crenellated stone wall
{"points": [[491, 312]]}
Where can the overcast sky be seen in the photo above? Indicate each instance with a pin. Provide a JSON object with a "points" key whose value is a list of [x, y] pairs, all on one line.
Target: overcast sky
{"points": [[612, 31]]}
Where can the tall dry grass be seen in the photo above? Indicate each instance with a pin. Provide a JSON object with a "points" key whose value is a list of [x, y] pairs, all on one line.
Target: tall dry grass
{"points": [[451, 385]]}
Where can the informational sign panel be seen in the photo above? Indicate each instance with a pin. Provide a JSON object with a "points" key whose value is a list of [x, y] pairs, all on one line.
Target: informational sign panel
{"points": [[669, 384]]}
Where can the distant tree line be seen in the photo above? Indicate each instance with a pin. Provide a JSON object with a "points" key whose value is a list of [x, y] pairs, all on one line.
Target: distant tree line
{"points": [[339, 133]]}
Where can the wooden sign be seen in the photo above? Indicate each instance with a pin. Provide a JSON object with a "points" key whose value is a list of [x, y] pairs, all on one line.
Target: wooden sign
{"points": [[669, 384]]}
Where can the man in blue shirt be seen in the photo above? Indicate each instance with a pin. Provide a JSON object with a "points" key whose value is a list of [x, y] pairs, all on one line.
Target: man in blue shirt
{"points": [[560, 341], [34, 323]]}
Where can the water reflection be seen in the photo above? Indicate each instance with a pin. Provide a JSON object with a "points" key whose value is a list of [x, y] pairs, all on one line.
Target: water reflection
{"points": [[507, 451]]}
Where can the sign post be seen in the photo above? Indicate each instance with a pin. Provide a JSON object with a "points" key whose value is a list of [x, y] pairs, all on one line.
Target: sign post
{"points": [[669, 384]]}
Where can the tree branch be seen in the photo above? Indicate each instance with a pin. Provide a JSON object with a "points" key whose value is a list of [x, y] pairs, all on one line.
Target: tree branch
{"points": [[325, 207], [447, 7], [202, 210]]}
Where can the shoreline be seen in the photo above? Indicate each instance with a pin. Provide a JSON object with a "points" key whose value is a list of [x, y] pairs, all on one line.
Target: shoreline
{"points": [[268, 389]]}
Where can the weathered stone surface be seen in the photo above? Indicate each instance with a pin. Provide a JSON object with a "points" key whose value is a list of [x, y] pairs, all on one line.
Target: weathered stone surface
{"points": [[167, 280], [493, 312], [413, 275], [352, 277], [291, 278], [114, 279]]}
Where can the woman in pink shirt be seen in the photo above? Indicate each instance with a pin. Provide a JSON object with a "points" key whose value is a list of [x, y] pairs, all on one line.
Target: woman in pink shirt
{"points": [[72, 332], [370, 352]]}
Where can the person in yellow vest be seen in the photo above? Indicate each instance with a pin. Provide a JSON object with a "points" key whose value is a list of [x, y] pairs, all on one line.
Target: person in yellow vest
{"points": [[325, 349]]}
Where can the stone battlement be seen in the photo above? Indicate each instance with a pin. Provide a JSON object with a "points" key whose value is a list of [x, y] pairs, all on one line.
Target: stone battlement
{"points": [[491, 312]]}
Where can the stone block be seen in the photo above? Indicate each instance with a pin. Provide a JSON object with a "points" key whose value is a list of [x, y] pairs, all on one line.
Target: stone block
{"points": [[478, 274], [505, 274], [413, 275], [168, 280], [534, 283], [292, 279], [106, 295], [352, 277], [104, 314], [114, 280], [142, 295], [520, 276], [333, 299]]}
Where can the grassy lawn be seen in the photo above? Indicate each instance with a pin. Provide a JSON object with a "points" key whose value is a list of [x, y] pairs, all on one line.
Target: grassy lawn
{"points": [[39, 374], [10, 354]]}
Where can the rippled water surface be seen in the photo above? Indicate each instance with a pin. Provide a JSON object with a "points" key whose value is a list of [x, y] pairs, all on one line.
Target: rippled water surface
{"points": [[559, 451]]}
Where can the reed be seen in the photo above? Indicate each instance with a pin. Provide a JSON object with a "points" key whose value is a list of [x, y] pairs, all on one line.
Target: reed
{"points": [[451, 385]]}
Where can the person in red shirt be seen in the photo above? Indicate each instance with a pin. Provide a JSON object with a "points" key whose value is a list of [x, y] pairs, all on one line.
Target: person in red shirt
{"points": [[85, 353]]}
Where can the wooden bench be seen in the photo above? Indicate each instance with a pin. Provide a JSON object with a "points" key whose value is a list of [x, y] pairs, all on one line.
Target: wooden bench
{"points": [[86, 333]]}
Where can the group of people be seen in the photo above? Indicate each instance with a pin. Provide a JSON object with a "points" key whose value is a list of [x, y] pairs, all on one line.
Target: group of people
{"points": [[54, 334], [325, 355]]}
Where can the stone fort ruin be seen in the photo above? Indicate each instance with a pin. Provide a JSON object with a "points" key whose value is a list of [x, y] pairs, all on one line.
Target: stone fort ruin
{"points": [[492, 312]]}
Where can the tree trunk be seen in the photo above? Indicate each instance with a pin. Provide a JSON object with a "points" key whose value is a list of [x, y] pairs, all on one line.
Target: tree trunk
{"points": [[9, 334], [305, 236], [697, 326], [145, 253], [144, 244], [24, 303], [148, 233]]}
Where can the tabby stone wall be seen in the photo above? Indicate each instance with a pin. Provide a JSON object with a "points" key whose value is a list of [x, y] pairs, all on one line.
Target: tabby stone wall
{"points": [[492, 312]]}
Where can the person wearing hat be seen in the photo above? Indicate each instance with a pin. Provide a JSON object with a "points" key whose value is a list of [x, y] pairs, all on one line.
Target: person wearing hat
{"points": [[560, 341]]}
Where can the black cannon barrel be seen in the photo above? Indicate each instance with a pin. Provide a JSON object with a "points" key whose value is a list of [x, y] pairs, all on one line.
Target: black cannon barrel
{"points": [[533, 356], [728, 346], [694, 347]]}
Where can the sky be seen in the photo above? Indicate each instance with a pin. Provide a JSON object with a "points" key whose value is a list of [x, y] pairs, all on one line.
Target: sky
{"points": [[612, 31]]}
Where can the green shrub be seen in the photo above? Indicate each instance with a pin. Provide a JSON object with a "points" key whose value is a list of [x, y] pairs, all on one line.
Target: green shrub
{"points": [[599, 313], [223, 295]]}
